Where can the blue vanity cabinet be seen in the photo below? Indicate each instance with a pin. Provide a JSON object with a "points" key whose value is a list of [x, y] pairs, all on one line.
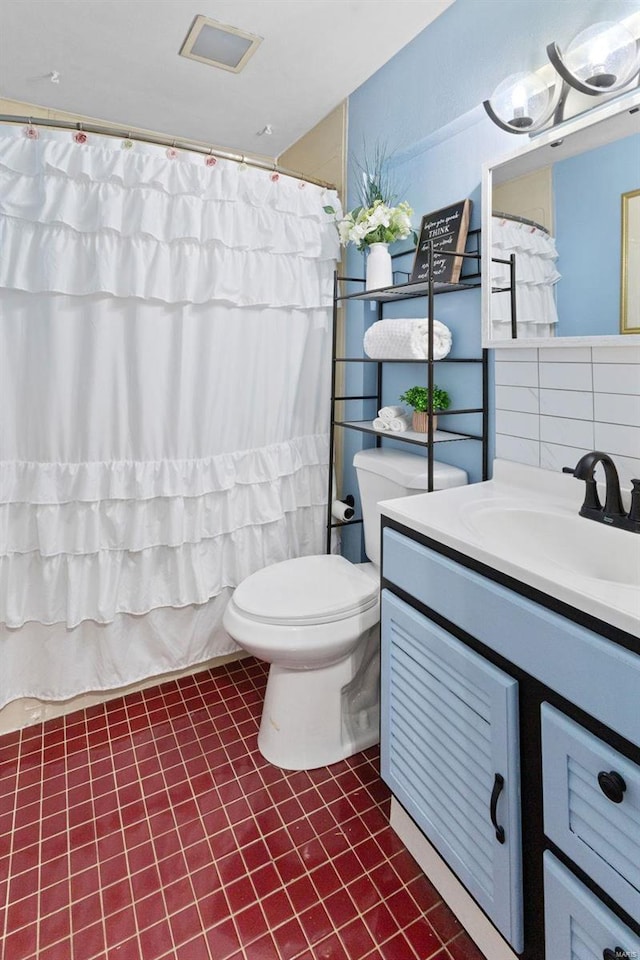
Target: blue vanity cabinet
{"points": [[450, 753], [484, 677]]}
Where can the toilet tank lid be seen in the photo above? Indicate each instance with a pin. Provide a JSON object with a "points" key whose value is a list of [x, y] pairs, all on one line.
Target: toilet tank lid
{"points": [[408, 469]]}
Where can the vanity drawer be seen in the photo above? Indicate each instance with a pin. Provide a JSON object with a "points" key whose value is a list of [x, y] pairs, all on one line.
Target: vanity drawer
{"points": [[577, 924], [543, 643], [599, 831]]}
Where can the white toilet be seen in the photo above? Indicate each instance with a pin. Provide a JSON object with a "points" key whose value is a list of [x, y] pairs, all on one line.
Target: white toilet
{"points": [[316, 621]]}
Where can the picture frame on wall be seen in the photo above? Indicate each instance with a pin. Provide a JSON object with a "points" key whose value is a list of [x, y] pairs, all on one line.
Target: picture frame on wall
{"points": [[448, 229], [630, 263]]}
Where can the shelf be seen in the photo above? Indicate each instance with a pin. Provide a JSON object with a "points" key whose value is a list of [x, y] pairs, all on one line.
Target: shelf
{"points": [[407, 291], [406, 436], [398, 292], [408, 360]]}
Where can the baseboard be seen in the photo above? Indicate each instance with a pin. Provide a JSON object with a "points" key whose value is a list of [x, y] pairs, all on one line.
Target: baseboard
{"points": [[28, 711]]}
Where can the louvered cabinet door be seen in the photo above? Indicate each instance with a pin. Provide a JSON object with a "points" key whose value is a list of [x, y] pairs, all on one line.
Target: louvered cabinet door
{"points": [[577, 924], [592, 806], [450, 754]]}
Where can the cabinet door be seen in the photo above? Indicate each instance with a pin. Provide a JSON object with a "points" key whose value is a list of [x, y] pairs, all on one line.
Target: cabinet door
{"points": [[577, 925], [450, 753]]}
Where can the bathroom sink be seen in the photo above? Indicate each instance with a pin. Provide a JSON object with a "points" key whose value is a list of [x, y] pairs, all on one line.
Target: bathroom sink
{"points": [[524, 523], [585, 548]]}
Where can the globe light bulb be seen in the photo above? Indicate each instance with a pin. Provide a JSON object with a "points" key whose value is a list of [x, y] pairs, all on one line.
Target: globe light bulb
{"points": [[603, 57], [521, 101]]}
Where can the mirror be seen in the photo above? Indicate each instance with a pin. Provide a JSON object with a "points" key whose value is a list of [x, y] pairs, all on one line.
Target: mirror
{"points": [[562, 214]]}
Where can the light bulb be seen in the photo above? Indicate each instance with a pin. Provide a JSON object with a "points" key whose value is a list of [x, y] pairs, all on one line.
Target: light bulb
{"points": [[604, 56], [521, 101]]}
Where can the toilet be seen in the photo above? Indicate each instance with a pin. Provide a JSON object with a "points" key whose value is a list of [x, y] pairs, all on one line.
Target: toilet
{"points": [[316, 621]]}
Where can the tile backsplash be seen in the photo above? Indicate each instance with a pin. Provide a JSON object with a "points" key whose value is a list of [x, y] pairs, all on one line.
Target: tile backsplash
{"points": [[553, 405]]}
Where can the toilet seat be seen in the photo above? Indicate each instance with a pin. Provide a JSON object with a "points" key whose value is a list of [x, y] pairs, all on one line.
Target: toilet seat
{"points": [[306, 591]]}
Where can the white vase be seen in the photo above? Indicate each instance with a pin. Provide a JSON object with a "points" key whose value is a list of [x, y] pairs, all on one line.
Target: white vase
{"points": [[379, 272]]}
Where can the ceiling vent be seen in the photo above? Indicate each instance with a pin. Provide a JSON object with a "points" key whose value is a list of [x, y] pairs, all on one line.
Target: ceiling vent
{"points": [[219, 45]]}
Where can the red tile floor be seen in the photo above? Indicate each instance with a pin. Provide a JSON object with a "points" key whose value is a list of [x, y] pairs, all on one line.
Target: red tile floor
{"points": [[151, 827]]}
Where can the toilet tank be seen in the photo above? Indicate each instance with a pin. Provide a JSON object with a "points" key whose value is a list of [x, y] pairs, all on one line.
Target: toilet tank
{"points": [[385, 474]]}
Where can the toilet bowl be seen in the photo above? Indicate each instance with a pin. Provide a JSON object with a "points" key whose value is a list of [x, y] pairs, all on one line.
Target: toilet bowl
{"points": [[316, 621]]}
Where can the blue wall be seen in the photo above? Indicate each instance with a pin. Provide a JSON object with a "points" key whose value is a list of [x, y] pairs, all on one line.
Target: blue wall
{"points": [[425, 106], [588, 234]]}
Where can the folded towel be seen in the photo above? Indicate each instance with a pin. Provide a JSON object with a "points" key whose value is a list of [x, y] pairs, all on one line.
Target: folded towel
{"points": [[388, 413], [398, 424], [406, 340], [380, 424]]}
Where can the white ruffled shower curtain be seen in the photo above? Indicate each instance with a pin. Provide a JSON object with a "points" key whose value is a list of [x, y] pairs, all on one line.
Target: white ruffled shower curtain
{"points": [[536, 277], [164, 400]]}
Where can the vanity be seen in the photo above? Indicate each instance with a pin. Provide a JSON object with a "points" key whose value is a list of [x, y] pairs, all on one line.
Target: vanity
{"points": [[511, 712]]}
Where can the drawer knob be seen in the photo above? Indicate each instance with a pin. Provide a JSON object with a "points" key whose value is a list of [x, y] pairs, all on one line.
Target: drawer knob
{"points": [[616, 954], [612, 785]]}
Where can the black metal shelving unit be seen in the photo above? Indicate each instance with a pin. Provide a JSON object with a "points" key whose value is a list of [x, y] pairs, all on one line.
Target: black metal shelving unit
{"points": [[398, 292]]}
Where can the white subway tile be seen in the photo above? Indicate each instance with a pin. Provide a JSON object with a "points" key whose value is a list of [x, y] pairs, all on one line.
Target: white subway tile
{"points": [[518, 449], [565, 355], [517, 374], [565, 376], [617, 408], [628, 470], [614, 438], [522, 355], [616, 378], [567, 403], [554, 456], [568, 433], [627, 353], [515, 424], [522, 399]]}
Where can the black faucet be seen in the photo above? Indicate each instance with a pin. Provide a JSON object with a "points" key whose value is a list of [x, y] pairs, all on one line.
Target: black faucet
{"points": [[613, 512]]}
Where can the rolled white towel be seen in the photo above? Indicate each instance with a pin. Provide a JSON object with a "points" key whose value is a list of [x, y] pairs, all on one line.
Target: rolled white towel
{"points": [[402, 339], [399, 424], [388, 413], [380, 424], [442, 340]]}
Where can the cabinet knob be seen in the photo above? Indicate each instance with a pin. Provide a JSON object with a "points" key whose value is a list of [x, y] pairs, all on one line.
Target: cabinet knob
{"points": [[616, 954], [612, 785]]}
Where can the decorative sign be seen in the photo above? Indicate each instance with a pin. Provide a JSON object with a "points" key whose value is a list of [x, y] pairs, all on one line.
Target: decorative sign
{"points": [[448, 229]]}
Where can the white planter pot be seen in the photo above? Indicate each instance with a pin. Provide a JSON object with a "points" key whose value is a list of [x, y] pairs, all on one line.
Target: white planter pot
{"points": [[379, 272]]}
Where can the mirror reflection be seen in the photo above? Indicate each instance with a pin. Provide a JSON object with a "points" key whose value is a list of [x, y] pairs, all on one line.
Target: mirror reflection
{"points": [[559, 211]]}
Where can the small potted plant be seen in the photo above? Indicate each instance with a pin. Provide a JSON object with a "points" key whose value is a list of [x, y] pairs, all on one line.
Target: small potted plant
{"points": [[418, 398]]}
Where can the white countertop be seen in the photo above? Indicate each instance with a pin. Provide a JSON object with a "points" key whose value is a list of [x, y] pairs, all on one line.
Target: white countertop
{"points": [[463, 518]]}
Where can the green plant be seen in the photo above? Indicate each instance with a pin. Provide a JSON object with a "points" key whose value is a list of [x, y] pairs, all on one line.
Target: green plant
{"points": [[418, 398]]}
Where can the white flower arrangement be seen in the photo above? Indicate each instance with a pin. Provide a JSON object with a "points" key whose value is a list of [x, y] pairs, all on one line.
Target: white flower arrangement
{"points": [[379, 223]]}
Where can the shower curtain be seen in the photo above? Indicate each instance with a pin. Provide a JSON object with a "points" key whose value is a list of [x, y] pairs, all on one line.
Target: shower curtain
{"points": [[164, 399], [536, 277]]}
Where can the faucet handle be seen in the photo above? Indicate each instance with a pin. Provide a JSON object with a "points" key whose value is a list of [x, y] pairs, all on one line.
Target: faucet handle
{"points": [[634, 512], [591, 498]]}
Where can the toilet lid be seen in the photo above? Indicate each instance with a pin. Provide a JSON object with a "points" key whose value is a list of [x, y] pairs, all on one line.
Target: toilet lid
{"points": [[306, 590]]}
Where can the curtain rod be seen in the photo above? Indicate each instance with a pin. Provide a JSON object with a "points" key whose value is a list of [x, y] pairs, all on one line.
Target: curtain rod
{"points": [[517, 219], [194, 147]]}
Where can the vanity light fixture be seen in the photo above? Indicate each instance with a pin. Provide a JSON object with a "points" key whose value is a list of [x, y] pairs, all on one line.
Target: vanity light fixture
{"points": [[600, 59]]}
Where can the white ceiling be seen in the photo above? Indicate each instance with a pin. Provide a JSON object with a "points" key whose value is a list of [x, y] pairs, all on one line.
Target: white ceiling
{"points": [[118, 61]]}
